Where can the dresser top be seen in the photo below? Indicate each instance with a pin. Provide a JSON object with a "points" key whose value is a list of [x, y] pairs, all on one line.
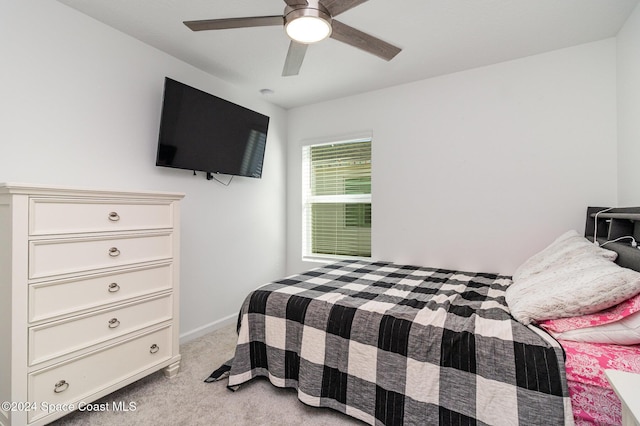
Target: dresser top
{"points": [[625, 385], [47, 190]]}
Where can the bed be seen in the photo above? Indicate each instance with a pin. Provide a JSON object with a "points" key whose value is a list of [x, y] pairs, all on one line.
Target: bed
{"points": [[394, 344]]}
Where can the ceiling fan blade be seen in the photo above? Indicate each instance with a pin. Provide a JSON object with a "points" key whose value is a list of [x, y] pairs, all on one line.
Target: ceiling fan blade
{"points": [[336, 7], [363, 41], [223, 24], [296, 2], [295, 55]]}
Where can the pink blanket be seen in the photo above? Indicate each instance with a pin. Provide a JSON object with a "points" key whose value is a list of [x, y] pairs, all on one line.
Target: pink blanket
{"points": [[592, 398]]}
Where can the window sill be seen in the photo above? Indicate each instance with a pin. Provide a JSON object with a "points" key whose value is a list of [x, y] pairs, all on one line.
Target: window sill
{"points": [[332, 259]]}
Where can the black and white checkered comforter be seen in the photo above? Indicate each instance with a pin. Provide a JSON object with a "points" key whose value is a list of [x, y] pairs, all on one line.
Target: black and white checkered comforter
{"points": [[394, 344]]}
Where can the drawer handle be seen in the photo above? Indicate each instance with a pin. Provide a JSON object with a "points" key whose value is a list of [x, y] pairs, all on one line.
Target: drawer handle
{"points": [[113, 287], [113, 252], [61, 386], [114, 217], [113, 323], [154, 348]]}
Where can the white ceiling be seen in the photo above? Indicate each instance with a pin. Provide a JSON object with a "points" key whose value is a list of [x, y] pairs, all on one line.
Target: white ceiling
{"points": [[437, 37]]}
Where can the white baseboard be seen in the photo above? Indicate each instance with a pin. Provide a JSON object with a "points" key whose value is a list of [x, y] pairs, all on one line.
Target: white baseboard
{"points": [[208, 328]]}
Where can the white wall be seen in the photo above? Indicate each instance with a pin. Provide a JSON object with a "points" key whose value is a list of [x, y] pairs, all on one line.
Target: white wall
{"points": [[498, 160], [477, 170], [80, 106], [629, 111]]}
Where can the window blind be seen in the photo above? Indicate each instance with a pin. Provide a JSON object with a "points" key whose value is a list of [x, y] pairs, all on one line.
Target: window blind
{"points": [[337, 199]]}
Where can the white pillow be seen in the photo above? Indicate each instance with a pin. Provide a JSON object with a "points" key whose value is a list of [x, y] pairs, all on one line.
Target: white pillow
{"points": [[567, 279], [569, 242]]}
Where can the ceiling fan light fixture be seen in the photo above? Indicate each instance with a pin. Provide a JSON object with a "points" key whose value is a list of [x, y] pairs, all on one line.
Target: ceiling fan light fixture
{"points": [[307, 25]]}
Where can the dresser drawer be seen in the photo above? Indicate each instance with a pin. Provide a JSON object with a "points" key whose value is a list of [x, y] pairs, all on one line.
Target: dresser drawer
{"points": [[71, 382], [63, 256], [65, 216], [53, 299], [61, 337]]}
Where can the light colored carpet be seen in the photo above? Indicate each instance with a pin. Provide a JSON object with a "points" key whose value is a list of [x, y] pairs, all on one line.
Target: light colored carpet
{"points": [[187, 400]]}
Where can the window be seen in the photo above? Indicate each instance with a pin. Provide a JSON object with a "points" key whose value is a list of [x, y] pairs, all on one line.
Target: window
{"points": [[337, 199]]}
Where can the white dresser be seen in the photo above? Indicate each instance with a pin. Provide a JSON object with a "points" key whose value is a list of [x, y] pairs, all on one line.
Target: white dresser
{"points": [[88, 295], [626, 385]]}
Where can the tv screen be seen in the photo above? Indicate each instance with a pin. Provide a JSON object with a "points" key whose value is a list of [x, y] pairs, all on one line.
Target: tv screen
{"points": [[201, 132]]}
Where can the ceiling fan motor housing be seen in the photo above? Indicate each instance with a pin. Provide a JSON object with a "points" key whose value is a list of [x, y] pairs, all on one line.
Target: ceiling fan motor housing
{"points": [[313, 10]]}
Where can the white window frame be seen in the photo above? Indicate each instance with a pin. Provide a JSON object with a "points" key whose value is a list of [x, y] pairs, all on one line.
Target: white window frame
{"points": [[308, 200]]}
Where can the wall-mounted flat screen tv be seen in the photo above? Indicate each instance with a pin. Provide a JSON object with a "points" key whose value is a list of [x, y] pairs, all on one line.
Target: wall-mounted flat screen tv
{"points": [[202, 132]]}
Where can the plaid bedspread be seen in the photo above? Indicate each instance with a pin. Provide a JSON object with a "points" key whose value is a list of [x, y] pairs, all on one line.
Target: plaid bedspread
{"points": [[395, 344]]}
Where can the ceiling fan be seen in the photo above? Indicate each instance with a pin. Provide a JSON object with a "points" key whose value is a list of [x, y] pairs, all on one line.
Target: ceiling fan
{"points": [[306, 22]]}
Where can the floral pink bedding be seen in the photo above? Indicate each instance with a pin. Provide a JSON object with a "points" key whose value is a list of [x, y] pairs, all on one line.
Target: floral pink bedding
{"points": [[592, 398], [618, 325]]}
